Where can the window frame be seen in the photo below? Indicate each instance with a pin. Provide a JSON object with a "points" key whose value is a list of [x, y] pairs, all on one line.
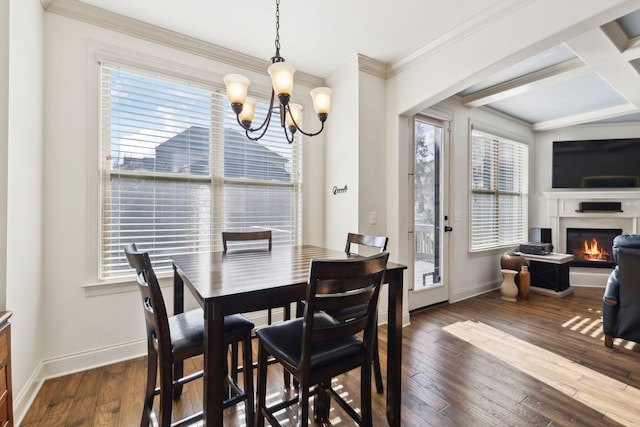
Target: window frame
{"points": [[521, 232], [216, 180]]}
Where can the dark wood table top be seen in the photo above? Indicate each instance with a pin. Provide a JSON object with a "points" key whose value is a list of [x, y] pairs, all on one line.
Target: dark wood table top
{"points": [[237, 276]]}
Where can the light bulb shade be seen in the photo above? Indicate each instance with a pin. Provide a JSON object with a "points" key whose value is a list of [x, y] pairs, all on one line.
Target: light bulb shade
{"points": [[282, 77], [321, 99], [248, 110], [237, 88], [295, 110]]}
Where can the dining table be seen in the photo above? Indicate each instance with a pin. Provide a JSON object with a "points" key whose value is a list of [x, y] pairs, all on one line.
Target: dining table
{"points": [[244, 282]]}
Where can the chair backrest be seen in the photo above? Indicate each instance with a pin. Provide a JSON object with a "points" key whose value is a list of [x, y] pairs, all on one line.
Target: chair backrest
{"points": [[351, 285], [155, 311], [629, 265], [625, 241], [246, 236], [379, 242]]}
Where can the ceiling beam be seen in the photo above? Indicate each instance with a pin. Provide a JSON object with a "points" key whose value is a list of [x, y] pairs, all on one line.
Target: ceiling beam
{"points": [[563, 71], [603, 56], [591, 116]]}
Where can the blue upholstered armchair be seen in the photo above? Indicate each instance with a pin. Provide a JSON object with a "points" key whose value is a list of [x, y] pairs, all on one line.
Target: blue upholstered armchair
{"points": [[621, 301]]}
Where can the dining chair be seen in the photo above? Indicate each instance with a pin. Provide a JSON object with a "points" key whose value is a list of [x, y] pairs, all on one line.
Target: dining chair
{"points": [[249, 241], [379, 243], [173, 339], [317, 346]]}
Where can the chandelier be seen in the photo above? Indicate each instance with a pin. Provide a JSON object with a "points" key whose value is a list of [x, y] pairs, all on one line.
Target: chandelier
{"points": [[281, 73]]}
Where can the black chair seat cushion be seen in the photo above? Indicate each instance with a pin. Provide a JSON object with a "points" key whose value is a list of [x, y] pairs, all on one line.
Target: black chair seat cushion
{"points": [[284, 341], [187, 330]]}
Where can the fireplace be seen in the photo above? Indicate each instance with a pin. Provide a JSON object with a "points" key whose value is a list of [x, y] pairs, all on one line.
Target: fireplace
{"points": [[591, 247]]}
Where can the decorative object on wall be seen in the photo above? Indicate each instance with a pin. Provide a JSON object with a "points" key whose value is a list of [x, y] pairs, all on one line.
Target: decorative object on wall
{"points": [[335, 190], [281, 73]]}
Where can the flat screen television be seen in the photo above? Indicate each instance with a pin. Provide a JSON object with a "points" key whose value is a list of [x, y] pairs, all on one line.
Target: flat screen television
{"points": [[596, 163]]}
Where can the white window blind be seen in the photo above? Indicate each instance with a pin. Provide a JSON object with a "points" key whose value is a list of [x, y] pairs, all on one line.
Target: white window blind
{"points": [[499, 191], [176, 170]]}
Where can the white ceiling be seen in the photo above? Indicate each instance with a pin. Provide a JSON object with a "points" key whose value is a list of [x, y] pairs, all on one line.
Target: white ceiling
{"points": [[592, 77]]}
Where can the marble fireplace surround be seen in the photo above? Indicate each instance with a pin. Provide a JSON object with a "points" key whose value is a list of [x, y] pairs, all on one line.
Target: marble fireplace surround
{"points": [[563, 212]]}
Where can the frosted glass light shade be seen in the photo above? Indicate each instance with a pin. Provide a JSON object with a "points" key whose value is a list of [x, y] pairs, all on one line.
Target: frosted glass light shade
{"points": [[282, 77], [321, 99], [296, 112], [237, 88], [248, 110]]}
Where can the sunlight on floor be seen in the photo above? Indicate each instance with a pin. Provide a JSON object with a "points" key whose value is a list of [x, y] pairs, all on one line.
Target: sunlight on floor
{"points": [[587, 386], [593, 328]]}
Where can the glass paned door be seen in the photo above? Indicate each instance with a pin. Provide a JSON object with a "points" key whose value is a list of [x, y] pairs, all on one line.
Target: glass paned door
{"points": [[429, 285]]}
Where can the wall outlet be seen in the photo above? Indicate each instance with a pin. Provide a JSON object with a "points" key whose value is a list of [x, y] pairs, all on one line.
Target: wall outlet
{"points": [[373, 218]]}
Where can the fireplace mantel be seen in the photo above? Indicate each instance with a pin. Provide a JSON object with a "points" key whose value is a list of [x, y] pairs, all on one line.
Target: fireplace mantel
{"points": [[563, 211]]}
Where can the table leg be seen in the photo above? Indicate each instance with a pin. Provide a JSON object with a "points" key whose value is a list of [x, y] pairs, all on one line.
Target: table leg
{"points": [[394, 347], [178, 292], [214, 371]]}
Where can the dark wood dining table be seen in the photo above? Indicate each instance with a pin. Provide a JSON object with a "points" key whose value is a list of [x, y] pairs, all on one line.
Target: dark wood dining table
{"points": [[252, 281]]}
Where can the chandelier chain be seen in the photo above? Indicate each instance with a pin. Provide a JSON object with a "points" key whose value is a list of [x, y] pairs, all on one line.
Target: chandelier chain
{"points": [[277, 27], [282, 77]]}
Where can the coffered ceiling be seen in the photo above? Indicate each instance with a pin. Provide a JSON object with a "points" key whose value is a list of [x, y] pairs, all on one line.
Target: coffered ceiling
{"points": [[592, 77]]}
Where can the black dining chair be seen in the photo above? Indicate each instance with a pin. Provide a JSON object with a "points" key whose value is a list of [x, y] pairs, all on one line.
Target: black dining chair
{"points": [[173, 339], [378, 243], [317, 346], [251, 241]]}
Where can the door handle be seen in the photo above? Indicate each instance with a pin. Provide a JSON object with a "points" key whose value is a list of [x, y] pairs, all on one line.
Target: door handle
{"points": [[447, 228]]}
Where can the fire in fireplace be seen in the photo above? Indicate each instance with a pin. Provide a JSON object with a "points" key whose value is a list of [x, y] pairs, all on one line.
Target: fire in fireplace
{"points": [[591, 247]]}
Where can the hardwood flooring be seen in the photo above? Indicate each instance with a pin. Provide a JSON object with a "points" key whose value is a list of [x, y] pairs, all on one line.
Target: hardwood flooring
{"points": [[479, 362]]}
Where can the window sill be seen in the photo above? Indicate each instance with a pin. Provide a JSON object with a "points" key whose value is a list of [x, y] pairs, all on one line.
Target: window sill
{"points": [[120, 287]]}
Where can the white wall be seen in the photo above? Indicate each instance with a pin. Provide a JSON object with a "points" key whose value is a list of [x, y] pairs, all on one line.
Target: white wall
{"points": [[371, 156], [355, 154], [24, 192], [4, 144], [342, 148], [481, 270]]}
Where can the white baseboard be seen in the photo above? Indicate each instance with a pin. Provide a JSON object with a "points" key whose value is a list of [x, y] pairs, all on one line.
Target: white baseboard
{"points": [[596, 277], [474, 291], [70, 364]]}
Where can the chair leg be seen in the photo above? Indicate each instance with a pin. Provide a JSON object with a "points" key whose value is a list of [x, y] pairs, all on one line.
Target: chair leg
{"points": [[234, 361], [608, 341], [248, 378], [322, 401], [303, 405], [261, 387], [152, 372], [365, 396], [178, 372], [286, 376], [166, 393], [376, 365]]}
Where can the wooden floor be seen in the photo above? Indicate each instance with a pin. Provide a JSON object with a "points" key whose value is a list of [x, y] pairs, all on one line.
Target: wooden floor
{"points": [[452, 374]]}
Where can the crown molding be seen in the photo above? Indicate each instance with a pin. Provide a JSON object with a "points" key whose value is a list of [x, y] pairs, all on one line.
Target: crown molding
{"points": [[372, 66], [488, 17], [83, 12]]}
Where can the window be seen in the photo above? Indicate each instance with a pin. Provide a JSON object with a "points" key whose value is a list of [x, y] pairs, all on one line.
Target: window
{"points": [[176, 170], [499, 191]]}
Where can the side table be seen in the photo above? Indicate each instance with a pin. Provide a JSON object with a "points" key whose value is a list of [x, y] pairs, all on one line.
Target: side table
{"points": [[550, 273]]}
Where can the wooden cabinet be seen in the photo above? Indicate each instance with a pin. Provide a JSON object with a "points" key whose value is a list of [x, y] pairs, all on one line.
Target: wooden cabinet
{"points": [[6, 401]]}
